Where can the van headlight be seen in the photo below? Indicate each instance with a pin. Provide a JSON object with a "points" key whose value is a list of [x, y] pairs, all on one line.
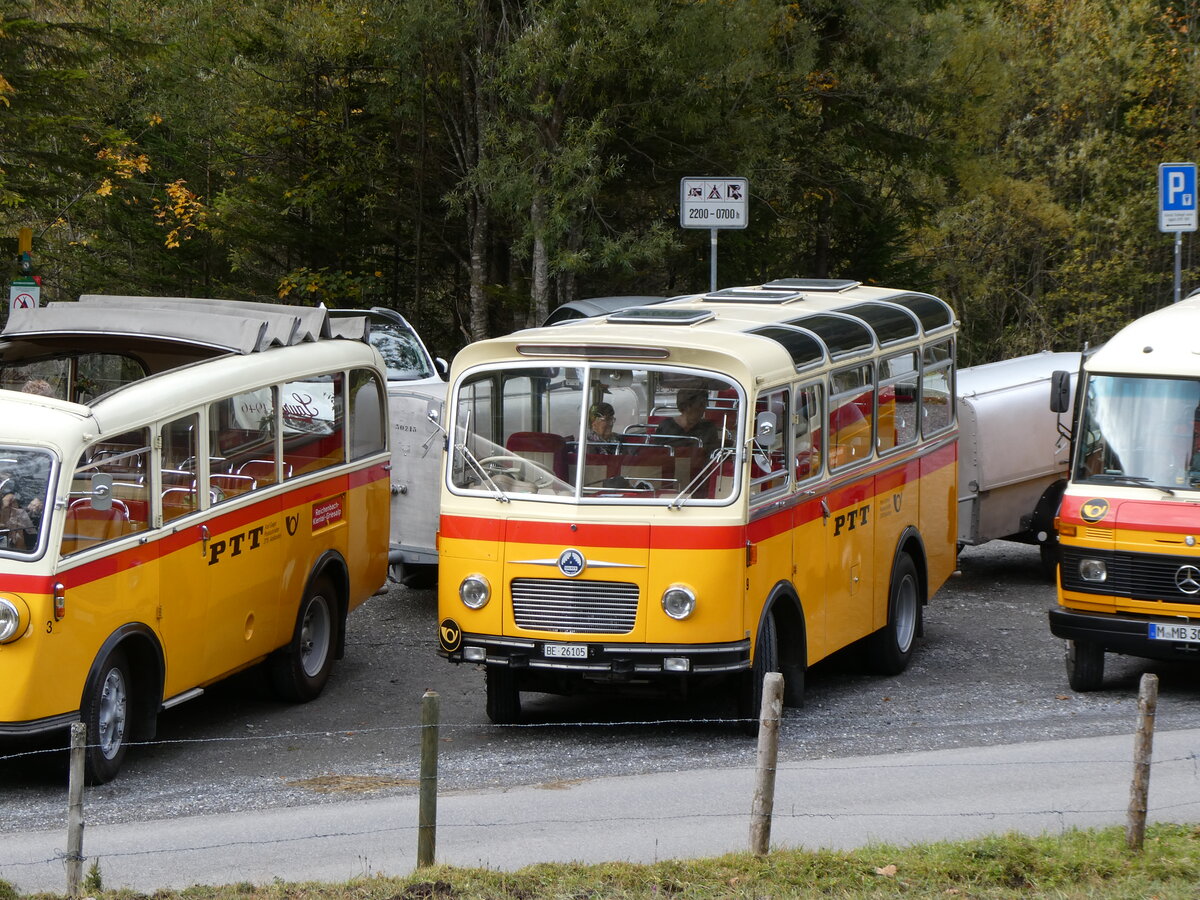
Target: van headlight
{"points": [[1093, 570], [678, 601], [14, 619], [474, 592]]}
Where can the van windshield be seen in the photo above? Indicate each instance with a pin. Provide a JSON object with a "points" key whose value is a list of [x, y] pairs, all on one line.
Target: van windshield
{"points": [[598, 434], [25, 481], [1140, 431]]}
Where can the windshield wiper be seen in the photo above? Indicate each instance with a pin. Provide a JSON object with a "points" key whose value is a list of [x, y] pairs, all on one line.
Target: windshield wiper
{"points": [[714, 461], [1132, 480], [477, 466]]}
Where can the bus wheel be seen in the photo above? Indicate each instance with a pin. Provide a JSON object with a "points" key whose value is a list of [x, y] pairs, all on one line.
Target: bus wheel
{"points": [[106, 715], [1085, 665], [299, 671], [766, 659], [503, 696], [889, 649]]}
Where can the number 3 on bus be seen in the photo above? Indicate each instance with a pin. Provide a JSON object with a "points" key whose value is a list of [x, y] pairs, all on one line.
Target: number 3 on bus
{"points": [[700, 491]]}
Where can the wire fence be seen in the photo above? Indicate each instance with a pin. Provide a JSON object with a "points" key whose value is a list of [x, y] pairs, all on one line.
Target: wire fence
{"points": [[929, 795]]}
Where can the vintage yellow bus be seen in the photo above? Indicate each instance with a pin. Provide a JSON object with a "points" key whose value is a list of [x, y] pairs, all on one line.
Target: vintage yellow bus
{"points": [[188, 487], [1129, 577], [706, 489]]}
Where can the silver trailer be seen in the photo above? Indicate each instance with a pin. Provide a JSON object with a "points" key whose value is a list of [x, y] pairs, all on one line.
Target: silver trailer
{"points": [[1012, 455], [416, 388]]}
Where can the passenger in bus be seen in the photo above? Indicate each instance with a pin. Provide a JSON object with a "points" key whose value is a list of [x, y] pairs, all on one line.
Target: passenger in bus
{"points": [[15, 523], [690, 423], [38, 386], [600, 436]]}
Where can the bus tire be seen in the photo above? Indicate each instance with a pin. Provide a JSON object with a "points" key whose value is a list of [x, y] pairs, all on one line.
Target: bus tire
{"points": [[300, 670], [503, 696], [1085, 665], [890, 648], [766, 659], [106, 715]]}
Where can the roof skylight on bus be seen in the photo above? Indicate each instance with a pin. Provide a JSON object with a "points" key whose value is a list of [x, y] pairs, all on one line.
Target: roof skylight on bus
{"points": [[890, 322], [654, 315], [933, 313], [752, 295], [813, 284], [803, 347], [841, 334]]}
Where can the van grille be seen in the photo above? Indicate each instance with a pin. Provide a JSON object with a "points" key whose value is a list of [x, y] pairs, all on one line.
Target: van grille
{"points": [[1139, 576], [587, 607]]}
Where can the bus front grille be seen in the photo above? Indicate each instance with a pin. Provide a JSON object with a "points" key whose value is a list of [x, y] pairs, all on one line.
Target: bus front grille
{"points": [[586, 607]]}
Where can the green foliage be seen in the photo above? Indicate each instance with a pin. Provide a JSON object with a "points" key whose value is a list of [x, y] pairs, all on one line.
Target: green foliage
{"points": [[474, 163]]}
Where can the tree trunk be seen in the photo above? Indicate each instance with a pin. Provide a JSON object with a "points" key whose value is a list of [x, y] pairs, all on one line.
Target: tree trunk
{"points": [[540, 276]]}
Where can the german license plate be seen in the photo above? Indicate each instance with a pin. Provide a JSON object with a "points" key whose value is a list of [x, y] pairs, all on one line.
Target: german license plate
{"points": [[565, 651], [1189, 634]]}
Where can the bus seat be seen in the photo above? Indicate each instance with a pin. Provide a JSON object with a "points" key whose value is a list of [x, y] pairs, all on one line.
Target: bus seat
{"points": [[653, 463], [232, 485], [85, 527], [544, 448], [597, 467], [263, 470]]}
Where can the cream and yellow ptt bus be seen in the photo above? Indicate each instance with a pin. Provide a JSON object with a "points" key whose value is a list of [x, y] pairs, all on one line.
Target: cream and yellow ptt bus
{"points": [[187, 487], [701, 490]]}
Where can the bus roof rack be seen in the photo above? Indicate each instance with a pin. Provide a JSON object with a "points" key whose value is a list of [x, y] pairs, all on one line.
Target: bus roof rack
{"points": [[234, 325]]}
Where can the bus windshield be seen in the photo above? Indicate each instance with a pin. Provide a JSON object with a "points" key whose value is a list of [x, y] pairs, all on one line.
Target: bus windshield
{"points": [[25, 478], [1140, 431], [608, 434]]}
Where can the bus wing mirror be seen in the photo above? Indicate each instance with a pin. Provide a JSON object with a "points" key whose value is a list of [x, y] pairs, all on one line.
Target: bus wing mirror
{"points": [[102, 492], [766, 428], [1060, 391]]}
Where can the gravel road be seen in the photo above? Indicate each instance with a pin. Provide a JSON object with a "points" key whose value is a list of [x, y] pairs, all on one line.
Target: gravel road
{"points": [[987, 672]]}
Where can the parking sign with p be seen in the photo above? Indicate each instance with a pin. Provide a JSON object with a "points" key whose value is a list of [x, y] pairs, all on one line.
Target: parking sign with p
{"points": [[1177, 197]]}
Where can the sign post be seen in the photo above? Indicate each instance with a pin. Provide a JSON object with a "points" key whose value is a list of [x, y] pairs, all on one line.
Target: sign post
{"points": [[1177, 210], [714, 203]]}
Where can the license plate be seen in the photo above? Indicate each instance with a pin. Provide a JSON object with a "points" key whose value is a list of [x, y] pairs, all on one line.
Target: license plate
{"points": [[565, 651], [1189, 634]]}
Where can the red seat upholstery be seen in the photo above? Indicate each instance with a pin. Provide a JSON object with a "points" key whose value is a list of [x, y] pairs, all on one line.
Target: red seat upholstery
{"points": [[544, 448]]}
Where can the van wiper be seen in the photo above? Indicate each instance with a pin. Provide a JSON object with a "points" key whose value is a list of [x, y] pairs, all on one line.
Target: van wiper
{"points": [[1131, 480], [714, 462]]}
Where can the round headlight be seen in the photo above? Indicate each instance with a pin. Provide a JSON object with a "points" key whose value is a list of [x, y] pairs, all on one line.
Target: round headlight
{"points": [[678, 601], [10, 620], [474, 591]]}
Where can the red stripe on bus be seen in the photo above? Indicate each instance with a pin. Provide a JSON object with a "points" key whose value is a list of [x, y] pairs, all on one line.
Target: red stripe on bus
{"points": [[27, 584]]}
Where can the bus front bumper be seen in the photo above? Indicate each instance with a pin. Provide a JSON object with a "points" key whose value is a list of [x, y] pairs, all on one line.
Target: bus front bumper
{"points": [[1121, 634], [602, 661]]}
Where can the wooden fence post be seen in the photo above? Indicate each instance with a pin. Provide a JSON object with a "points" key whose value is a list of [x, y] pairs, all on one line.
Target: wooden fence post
{"points": [[763, 805], [427, 815], [75, 811], [1143, 747]]}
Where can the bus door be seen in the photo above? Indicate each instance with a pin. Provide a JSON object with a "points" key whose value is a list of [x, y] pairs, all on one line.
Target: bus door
{"points": [[241, 535], [849, 508], [769, 534]]}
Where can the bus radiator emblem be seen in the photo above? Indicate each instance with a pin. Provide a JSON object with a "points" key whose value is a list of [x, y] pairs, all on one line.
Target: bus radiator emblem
{"points": [[571, 562]]}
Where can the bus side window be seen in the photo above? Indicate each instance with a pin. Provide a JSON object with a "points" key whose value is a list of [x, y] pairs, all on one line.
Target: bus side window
{"points": [[366, 414], [850, 412], [91, 519], [896, 421], [808, 417], [178, 451], [313, 423], [769, 454], [241, 433], [937, 390]]}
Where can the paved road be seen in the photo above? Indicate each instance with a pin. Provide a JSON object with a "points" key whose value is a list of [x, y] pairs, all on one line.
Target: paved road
{"points": [[1037, 787]]}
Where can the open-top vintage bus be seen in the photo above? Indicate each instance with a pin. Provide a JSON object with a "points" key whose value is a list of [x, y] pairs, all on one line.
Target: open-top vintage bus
{"points": [[778, 483], [187, 487]]}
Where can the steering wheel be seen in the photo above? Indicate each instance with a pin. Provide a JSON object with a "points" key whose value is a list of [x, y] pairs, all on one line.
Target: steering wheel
{"points": [[508, 464]]}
